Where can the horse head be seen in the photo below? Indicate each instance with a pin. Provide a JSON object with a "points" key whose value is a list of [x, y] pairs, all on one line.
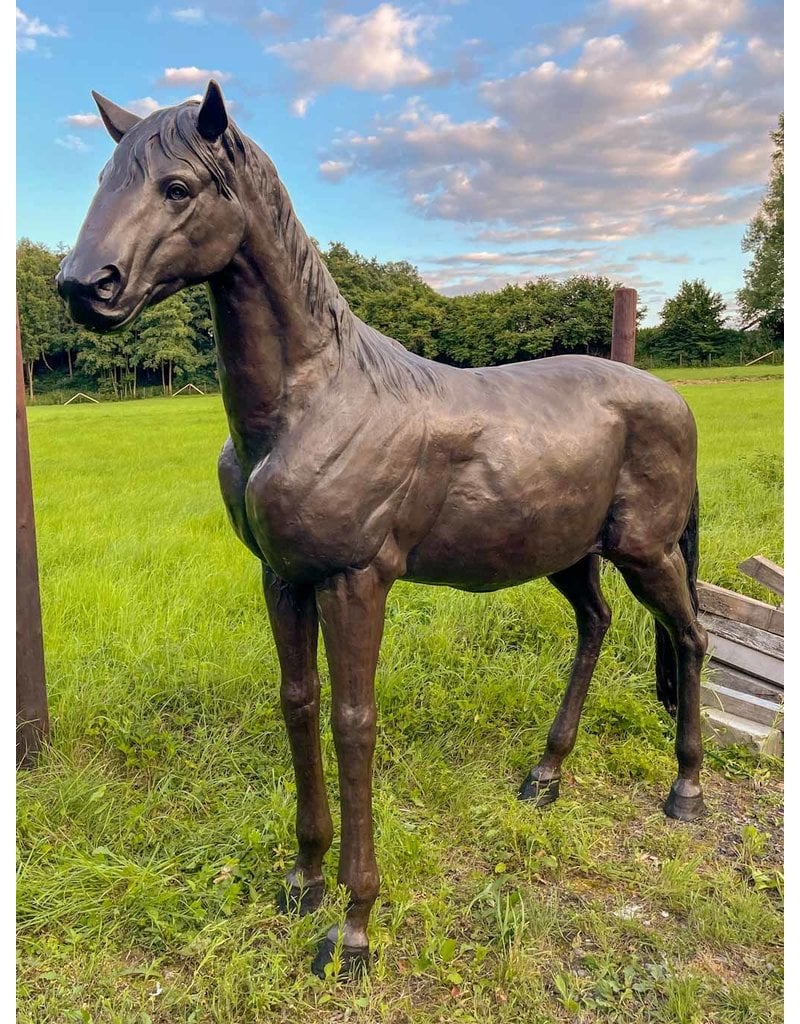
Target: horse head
{"points": [[164, 215]]}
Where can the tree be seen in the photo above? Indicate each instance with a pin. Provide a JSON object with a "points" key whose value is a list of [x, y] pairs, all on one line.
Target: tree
{"points": [[200, 327], [165, 339], [44, 325], [525, 320], [692, 325], [761, 298], [391, 297], [107, 356], [357, 277]]}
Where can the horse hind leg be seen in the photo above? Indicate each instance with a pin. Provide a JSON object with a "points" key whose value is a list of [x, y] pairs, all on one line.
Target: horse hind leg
{"points": [[661, 584], [580, 584]]}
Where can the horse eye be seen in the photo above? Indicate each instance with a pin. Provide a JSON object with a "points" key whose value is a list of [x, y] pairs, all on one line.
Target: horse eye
{"points": [[177, 191]]}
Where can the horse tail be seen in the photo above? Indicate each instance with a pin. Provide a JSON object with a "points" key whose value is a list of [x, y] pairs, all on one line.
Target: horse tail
{"points": [[666, 661]]}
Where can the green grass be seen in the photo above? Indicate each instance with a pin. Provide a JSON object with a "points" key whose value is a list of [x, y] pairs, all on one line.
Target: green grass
{"points": [[155, 831], [701, 374]]}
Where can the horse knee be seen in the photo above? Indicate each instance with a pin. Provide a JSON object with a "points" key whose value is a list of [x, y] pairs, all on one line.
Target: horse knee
{"points": [[299, 698], [354, 726]]}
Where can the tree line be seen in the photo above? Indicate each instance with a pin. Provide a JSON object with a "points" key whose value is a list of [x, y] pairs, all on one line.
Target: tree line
{"points": [[173, 342]]}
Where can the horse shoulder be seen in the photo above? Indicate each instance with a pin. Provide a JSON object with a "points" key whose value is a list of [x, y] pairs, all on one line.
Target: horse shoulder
{"points": [[328, 495]]}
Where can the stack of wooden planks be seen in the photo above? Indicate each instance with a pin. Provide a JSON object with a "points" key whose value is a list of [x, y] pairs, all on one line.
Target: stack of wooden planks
{"points": [[742, 697]]}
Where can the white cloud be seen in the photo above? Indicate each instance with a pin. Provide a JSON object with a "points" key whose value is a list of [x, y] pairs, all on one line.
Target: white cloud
{"points": [[334, 170], [654, 20], [529, 257], [144, 106], [249, 14], [267, 21], [662, 122], [74, 143], [768, 58], [85, 120], [31, 29], [173, 77], [301, 104], [456, 282], [466, 272], [373, 51], [189, 15], [660, 257]]}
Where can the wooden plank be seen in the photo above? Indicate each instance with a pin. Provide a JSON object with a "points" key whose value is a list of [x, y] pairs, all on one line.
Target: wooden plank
{"points": [[730, 605], [759, 358], [765, 572], [724, 675], [754, 709], [756, 663], [728, 729], [32, 718], [750, 636]]}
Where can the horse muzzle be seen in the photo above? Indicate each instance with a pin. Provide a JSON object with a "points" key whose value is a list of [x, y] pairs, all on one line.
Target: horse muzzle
{"points": [[92, 299]]}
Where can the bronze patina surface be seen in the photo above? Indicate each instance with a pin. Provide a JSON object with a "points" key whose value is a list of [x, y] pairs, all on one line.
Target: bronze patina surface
{"points": [[353, 463]]}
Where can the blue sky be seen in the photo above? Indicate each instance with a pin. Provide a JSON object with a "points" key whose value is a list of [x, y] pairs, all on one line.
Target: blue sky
{"points": [[483, 142]]}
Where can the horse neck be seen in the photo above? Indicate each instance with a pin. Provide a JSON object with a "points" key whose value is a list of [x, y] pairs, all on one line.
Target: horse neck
{"points": [[277, 317]]}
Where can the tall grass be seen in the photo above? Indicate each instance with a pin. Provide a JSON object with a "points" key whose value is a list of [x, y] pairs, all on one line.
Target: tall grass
{"points": [[155, 831]]}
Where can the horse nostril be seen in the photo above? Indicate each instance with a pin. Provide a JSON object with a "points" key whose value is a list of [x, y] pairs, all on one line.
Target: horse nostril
{"points": [[106, 283]]}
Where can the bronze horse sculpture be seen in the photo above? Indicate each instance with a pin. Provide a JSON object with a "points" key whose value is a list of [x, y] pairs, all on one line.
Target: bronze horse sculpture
{"points": [[352, 463]]}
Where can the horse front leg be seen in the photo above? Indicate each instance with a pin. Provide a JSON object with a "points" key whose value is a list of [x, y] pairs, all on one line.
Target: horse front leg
{"points": [[351, 609], [295, 626]]}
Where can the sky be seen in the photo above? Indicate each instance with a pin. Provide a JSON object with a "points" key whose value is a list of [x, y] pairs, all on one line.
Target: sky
{"points": [[484, 142]]}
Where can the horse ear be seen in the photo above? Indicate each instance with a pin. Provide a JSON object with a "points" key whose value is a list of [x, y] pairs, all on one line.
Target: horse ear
{"points": [[116, 119], [212, 118]]}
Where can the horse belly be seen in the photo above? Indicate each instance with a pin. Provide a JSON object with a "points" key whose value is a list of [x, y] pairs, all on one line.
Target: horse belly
{"points": [[517, 520]]}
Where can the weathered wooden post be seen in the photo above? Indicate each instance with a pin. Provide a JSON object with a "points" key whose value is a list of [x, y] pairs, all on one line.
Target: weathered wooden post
{"points": [[623, 329], [32, 718]]}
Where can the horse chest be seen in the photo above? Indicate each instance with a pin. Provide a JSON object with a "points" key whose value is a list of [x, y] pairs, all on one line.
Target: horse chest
{"points": [[310, 521]]}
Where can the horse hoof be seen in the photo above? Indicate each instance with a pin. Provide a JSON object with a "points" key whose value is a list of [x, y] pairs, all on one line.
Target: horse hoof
{"points": [[540, 792], [354, 963], [299, 900], [684, 806]]}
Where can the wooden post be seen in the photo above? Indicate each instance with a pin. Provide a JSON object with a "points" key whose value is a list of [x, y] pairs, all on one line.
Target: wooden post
{"points": [[32, 719], [623, 330]]}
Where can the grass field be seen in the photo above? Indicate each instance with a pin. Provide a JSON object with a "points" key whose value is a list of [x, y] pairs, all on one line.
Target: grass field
{"points": [[702, 374], [155, 831]]}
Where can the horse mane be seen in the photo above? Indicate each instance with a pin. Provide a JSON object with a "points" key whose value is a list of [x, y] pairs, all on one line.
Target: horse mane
{"points": [[386, 363]]}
